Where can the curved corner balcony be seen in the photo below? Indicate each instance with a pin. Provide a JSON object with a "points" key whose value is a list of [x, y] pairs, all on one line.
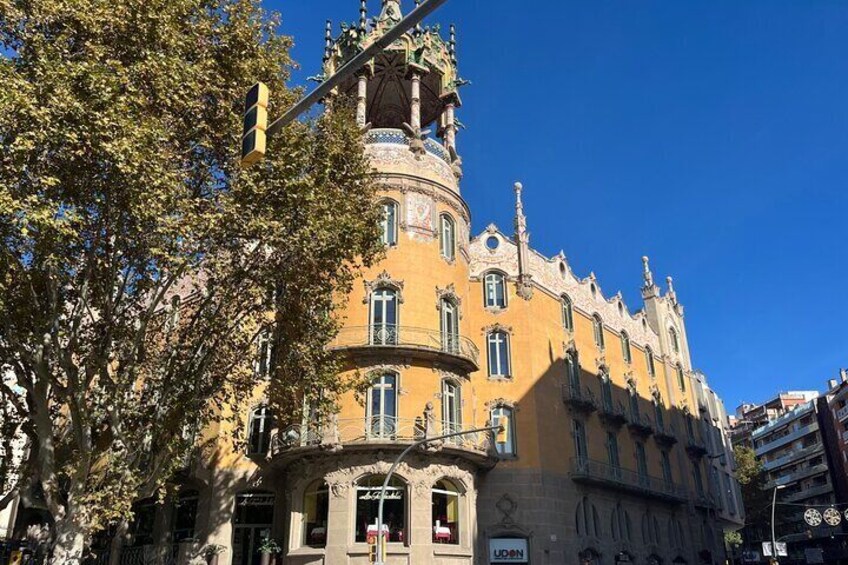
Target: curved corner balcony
{"points": [[412, 342], [399, 137], [381, 433]]}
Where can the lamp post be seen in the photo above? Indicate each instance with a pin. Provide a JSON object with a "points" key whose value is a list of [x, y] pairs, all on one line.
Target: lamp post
{"points": [[394, 466], [773, 506]]}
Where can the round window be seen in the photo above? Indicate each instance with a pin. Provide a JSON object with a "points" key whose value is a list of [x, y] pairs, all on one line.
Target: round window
{"points": [[492, 242]]}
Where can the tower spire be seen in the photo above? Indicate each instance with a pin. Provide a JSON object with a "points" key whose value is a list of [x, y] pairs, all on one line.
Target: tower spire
{"points": [[328, 41], [671, 293], [522, 240], [363, 16], [649, 289], [452, 44], [391, 11]]}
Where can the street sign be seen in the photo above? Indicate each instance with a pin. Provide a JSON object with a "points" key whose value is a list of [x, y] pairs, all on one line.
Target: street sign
{"points": [[781, 549]]}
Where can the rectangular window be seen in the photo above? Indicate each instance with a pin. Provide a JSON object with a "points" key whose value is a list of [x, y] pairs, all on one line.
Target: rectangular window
{"points": [[641, 462], [666, 468], [612, 451], [580, 450], [498, 354]]}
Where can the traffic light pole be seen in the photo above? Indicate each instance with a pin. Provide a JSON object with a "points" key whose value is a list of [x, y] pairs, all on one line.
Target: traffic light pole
{"points": [[351, 67], [394, 467]]}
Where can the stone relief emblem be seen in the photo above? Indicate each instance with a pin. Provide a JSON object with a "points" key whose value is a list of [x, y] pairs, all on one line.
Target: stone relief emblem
{"points": [[507, 507], [419, 213]]}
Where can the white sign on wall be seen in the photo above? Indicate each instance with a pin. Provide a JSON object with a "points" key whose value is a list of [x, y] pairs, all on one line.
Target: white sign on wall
{"points": [[508, 550]]}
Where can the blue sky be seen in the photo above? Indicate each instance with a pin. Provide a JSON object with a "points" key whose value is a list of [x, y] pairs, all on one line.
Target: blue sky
{"points": [[711, 136]]}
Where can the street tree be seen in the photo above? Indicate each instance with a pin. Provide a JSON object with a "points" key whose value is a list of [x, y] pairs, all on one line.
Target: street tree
{"points": [[140, 268]]}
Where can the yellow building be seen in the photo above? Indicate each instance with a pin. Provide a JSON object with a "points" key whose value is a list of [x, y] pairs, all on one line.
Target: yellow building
{"points": [[615, 450]]}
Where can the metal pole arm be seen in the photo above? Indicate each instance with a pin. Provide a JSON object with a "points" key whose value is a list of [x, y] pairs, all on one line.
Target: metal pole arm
{"points": [[414, 18], [395, 466]]}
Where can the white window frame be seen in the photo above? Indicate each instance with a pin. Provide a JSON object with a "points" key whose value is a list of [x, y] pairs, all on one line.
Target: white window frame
{"points": [[502, 345], [491, 282], [447, 236]]}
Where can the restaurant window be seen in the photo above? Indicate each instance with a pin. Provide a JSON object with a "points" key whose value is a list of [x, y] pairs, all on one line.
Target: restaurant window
{"points": [[316, 507], [394, 508], [252, 522], [446, 512]]}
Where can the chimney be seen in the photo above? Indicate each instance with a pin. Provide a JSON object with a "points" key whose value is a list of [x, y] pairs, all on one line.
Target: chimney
{"points": [[844, 374], [831, 384]]}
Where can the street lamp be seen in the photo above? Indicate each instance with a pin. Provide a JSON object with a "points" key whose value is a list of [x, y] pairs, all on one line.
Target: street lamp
{"points": [[773, 506], [500, 428]]}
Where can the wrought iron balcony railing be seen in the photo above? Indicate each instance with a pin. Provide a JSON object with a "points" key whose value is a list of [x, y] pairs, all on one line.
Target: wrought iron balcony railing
{"points": [[580, 399], [421, 339], [378, 430], [639, 423], [665, 434], [612, 412], [597, 472]]}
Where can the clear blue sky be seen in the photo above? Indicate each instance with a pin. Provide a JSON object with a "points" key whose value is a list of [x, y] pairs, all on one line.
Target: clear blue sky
{"points": [[711, 136]]}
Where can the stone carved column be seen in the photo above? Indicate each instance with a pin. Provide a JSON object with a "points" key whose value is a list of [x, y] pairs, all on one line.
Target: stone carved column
{"points": [[417, 144], [362, 101]]}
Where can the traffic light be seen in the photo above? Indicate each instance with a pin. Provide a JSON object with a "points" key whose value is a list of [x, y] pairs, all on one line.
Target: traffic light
{"points": [[503, 431], [255, 123]]}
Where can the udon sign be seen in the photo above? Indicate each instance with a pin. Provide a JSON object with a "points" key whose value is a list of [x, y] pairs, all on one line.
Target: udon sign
{"points": [[508, 550]]}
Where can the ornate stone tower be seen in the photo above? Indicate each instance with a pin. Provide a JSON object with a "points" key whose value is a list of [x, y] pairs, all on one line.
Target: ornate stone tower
{"points": [[406, 330]]}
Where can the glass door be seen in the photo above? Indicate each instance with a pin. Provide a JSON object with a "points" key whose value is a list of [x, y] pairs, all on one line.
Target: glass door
{"points": [[451, 409], [450, 327], [382, 407], [383, 317]]}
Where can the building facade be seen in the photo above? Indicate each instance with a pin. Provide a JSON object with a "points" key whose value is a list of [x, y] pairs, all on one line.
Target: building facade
{"points": [[750, 417], [616, 449]]}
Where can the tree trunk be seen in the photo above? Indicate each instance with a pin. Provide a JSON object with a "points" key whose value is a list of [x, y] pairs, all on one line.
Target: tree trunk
{"points": [[69, 546], [117, 543]]}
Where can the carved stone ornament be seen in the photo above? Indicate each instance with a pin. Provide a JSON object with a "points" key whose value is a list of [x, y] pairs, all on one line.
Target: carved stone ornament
{"points": [[601, 362], [507, 506], [524, 286], [496, 327], [383, 280], [448, 293], [630, 378], [569, 346], [501, 402]]}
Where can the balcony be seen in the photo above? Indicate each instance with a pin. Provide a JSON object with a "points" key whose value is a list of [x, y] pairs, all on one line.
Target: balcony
{"points": [[797, 476], [705, 501], [842, 413], [793, 456], [390, 151], [589, 471], [665, 435], [612, 413], [696, 447], [414, 342], [640, 424], [379, 432], [783, 440], [579, 400], [809, 493]]}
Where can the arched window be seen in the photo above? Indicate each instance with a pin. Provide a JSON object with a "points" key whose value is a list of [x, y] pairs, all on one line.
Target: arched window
{"points": [[144, 515], [384, 317], [389, 222], [185, 516], [598, 326], [620, 525], [673, 339], [450, 325], [572, 372], [253, 520], [394, 508], [567, 314], [316, 509], [504, 415], [625, 348], [494, 292], [681, 378], [382, 406], [649, 361], [498, 346], [587, 520], [259, 437], [446, 512], [447, 236]]}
